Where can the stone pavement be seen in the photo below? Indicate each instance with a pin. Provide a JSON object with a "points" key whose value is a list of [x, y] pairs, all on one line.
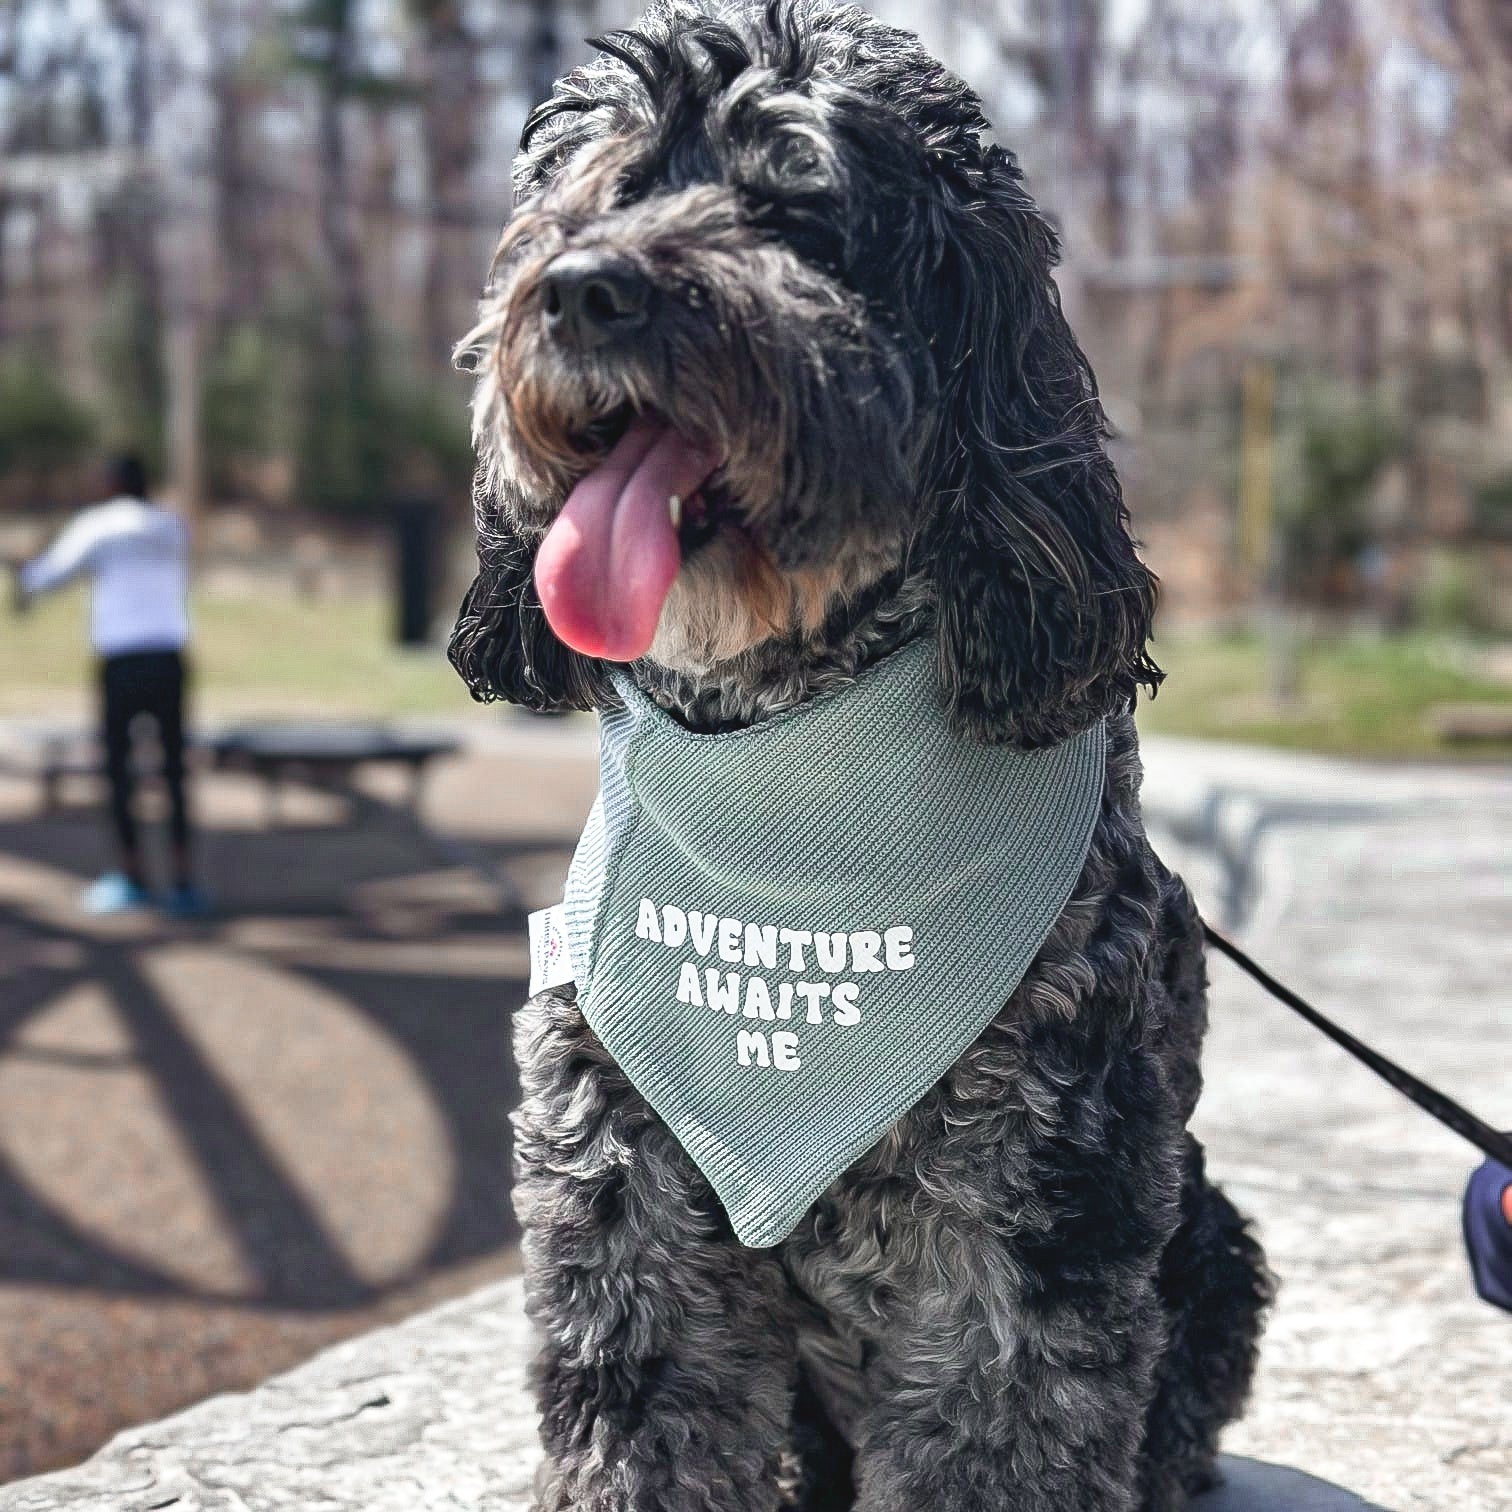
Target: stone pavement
{"points": [[1381, 892], [426, 1417], [225, 1146]]}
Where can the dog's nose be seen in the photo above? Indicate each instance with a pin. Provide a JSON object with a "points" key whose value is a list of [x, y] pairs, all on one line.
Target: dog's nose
{"points": [[593, 297]]}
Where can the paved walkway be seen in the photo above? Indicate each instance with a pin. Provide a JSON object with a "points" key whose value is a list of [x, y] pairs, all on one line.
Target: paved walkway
{"points": [[1382, 894], [224, 1146], [373, 1026], [431, 1416]]}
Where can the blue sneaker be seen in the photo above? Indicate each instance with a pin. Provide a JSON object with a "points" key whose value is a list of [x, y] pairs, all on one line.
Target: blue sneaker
{"points": [[115, 892], [187, 902]]}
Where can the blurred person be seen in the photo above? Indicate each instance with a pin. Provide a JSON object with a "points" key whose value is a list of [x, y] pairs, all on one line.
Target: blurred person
{"points": [[1488, 1232], [136, 555]]}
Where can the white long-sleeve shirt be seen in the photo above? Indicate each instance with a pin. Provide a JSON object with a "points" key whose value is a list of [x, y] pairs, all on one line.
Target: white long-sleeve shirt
{"points": [[137, 558]]}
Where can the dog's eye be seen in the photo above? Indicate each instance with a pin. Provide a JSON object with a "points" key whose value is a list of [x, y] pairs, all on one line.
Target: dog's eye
{"points": [[800, 161], [797, 163], [807, 224], [630, 186], [790, 188]]}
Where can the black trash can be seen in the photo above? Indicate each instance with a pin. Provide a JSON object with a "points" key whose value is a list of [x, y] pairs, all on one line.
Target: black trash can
{"points": [[416, 557]]}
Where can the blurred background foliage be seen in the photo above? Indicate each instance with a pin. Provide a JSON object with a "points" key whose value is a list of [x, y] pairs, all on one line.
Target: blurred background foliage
{"points": [[242, 237], [1333, 446], [43, 426]]}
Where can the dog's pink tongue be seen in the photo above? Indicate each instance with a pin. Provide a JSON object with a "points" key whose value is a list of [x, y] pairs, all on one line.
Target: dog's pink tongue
{"points": [[608, 563]]}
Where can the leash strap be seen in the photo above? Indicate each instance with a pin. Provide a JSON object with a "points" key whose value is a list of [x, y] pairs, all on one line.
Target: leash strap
{"points": [[1487, 1140]]}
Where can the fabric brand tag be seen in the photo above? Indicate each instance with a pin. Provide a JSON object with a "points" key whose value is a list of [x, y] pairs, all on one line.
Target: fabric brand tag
{"points": [[550, 959]]}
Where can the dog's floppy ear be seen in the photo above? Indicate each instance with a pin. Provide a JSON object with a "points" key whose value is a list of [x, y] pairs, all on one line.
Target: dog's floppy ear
{"points": [[1044, 607], [502, 645]]}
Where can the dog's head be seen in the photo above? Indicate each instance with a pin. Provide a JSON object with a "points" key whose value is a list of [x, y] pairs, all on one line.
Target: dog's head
{"points": [[773, 324]]}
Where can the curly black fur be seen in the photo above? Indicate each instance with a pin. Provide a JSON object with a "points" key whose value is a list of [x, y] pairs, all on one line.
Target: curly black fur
{"points": [[1027, 1295]]}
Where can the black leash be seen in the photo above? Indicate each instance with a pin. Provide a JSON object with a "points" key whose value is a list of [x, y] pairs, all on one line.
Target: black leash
{"points": [[1487, 1140]]}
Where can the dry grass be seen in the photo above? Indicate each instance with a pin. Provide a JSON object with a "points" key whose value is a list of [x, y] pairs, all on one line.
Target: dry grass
{"points": [[283, 656]]}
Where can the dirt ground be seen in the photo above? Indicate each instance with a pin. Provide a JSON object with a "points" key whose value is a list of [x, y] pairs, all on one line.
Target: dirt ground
{"points": [[225, 1145]]}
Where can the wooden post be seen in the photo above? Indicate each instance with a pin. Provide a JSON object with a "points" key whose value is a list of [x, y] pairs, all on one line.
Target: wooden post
{"points": [[183, 353], [1261, 548], [1256, 469]]}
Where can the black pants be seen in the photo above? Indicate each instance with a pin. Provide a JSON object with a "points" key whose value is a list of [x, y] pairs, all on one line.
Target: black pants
{"points": [[146, 684]]}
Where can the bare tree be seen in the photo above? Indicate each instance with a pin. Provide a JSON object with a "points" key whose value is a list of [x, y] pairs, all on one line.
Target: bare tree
{"points": [[324, 43], [451, 98]]}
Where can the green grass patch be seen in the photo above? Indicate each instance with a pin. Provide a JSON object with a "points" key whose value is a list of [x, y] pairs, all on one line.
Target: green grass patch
{"points": [[252, 656], [1356, 695], [280, 656]]}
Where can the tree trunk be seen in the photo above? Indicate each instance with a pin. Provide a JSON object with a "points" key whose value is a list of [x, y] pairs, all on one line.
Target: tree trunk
{"points": [[453, 95], [346, 303]]}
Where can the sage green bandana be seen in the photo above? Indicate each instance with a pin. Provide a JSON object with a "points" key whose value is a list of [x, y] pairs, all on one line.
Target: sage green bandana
{"points": [[786, 934]]}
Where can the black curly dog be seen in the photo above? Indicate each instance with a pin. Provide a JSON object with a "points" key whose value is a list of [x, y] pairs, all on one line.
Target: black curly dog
{"points": [[780, 231]]}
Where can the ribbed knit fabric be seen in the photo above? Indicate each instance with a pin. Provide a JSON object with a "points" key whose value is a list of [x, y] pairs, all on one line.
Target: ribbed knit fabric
{"points": [[787, 933]]}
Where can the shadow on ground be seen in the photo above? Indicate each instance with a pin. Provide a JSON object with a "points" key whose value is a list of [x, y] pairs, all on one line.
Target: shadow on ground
{"points": [[224, 1145]]}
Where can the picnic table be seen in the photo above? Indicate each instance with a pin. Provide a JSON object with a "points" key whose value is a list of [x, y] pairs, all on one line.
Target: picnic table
{"points": [[326, 754], [50, 755], [320, 753]]}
